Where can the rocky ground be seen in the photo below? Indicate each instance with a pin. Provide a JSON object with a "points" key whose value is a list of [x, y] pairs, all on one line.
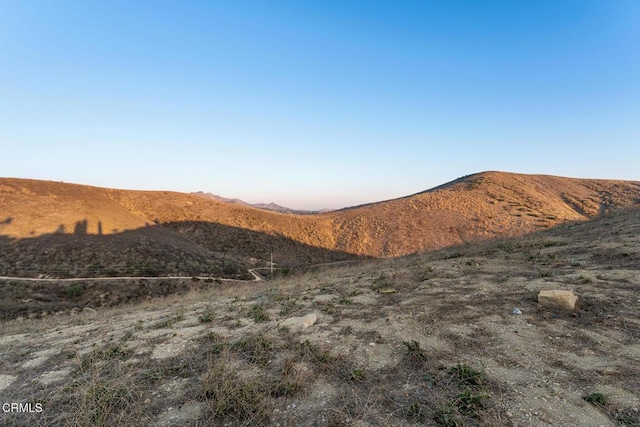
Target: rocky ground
{"points": [[422, 340]]}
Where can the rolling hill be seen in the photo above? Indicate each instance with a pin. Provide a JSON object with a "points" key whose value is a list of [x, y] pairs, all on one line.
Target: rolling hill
{"points": [[476, 207]]}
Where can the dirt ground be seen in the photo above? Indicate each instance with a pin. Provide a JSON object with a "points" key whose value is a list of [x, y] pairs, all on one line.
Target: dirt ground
{"points": [[422, 340]]}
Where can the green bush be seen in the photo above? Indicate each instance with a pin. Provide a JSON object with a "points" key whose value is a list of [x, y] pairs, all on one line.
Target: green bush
{"points": [[74, 291]]}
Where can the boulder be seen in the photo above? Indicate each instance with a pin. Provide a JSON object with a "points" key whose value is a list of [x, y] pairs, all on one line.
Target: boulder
{"points": [[300, 322], [558, 299]]}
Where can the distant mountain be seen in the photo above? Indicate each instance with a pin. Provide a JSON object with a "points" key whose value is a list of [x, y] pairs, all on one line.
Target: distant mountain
{"points": [[274, 207], [476, 207]]}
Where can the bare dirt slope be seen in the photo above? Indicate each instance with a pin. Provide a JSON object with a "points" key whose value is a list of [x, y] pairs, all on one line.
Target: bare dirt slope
{"points": [[31, 208], [421, 340]]}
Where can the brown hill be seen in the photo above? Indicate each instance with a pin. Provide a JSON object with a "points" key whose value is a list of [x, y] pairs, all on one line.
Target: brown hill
{"points": [[474, 207], [477, 207]]}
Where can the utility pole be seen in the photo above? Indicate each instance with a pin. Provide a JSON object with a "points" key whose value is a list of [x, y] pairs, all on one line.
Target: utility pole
{"points": [[271, 264]]}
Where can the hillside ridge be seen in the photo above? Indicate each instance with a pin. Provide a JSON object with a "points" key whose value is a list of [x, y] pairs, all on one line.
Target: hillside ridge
{"points": [[475, 207]]}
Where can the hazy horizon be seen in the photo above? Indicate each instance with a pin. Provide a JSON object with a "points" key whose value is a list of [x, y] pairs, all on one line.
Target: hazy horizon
{"points": [[317, 106]]}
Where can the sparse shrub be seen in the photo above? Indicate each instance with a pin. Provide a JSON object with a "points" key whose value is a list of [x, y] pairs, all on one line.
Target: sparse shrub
{"points": [[507, 246], [288, 307], [545, 273], [328, 307], [231, 398], [355, 292], [465, 374], [285, 388], [290, 381], [628, 418], [283, 330], [452, 255], [150, 271], [319, 356], [281, 272], [109, 353], [356, 375], [426, 274], [414, 351], [415, 412], [218, 344], [138, 325], [448, 417], [107, 391], [470, 403], [573, 262], [595, 398], [584, 279], [346, 330], [258, 313], [206, 316], [74, 291], [169, 321], [256, 349], [380, 282], [228, 269]]}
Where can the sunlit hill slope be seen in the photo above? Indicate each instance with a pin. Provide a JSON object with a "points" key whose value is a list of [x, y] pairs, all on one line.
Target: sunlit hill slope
{"points": [[475, 207]]}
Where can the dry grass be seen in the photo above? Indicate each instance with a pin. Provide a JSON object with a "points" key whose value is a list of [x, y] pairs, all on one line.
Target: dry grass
{"points": [[443, 349]]}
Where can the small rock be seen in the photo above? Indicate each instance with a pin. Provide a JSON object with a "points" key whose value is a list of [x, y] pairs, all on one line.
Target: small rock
{"points": [[6, 380], [372, 344], [147, 400], [516, 311], [558, 299]]}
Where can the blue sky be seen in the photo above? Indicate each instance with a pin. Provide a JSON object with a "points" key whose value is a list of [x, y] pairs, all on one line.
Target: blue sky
{"points": [[317, 104]]}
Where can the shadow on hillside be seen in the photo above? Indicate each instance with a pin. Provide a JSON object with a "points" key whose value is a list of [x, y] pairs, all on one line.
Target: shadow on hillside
{"points": [[190, 248], [240, 242], [177, 249]]}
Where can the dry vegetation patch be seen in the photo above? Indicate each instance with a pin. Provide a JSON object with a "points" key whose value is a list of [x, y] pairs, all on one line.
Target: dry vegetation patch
{"points": [[442, 349]]}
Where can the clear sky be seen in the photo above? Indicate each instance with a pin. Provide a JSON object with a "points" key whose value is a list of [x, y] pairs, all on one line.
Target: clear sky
{"points": [[318, 104]]}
